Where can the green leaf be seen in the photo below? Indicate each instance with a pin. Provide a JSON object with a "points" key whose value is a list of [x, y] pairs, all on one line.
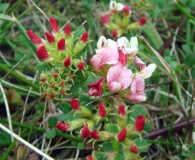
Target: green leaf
{"points": [[111, 127], [100, 155], [5, 138], [4, 6], [147, 127], [65, 107], [189, 60], [142, 144], [50, 134], [74, 89], [134, 112], [79, 31], [106, 147], [81, 145], [52, 121], [44, 67]]}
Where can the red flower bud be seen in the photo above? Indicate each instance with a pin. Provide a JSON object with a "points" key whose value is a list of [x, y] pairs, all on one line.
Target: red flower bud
{"points": [[52, 95], [122, 135], [52, 85], [84, 37], [114, 34], [33, 37], [43, 80], [121, 110], [67, 29], [44, 96], [106, 18], [90, 157], [139, 123], [126, 10], [42, 53], [133, 149], [61, 44], [142, 21], [62, 83], [75, 104], [54, 25], [50, 37], [62, 91], [102, 110], [55, 75], [95, 88], [94, 134], [62, 126], [67, 62], [85, 132], [80, 65]]}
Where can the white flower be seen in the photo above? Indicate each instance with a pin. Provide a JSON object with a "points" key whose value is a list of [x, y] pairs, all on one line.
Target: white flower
{"points": [[115, 7], [147, 71]]}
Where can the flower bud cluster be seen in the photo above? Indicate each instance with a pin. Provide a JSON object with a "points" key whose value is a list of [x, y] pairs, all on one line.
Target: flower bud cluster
{"points": [[92, 125], [112, 61], [117, 20], [59, 49]]}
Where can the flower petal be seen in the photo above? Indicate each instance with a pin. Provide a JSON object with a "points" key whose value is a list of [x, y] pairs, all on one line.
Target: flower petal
{"points": [[147, 72]]}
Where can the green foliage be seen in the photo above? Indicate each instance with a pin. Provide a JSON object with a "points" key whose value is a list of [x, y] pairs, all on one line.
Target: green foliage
{"points": [[141, 144], [52, 121], [5, 139], [50, 133], [111, 127]]}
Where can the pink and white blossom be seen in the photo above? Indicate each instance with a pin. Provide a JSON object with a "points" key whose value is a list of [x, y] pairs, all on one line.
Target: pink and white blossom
{"points": [[137, 90], [115, 7], [138, 62], [147, 71], [118, 78]]}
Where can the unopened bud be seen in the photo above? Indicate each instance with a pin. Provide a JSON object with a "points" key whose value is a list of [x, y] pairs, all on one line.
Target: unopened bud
{"points": [[44, 96], [61, 44], [114, 33], [62, 126], [50, 37], [133, 149], [52, 95], [142, 21], [55, 75], [84, 37], [67, 29], [67, 62], [33, 37], [75, 104], [122, 135], [80, 65], [85, 132], [54, 25], [139, 123], [43, 54]]}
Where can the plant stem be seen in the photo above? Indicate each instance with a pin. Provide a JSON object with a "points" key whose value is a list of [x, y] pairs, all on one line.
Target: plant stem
{"points": [[8, 150]]}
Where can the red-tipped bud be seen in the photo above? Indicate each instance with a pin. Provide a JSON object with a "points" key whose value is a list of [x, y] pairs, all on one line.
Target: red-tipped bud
{"points": [[75, 104], [43, 80], [94, 134], [42, 53], [84, 37], [62, 91], [90, 157], [62, 83], [62, 126], [54, 25], [61, 44], [122, 135], [80, 65], [67, 62], [126, 10], [133, 149], [102, 110], [122, 57], [55, 75], [121, 110], [50, 37], [52, 85], [44, 96], [142, 21], [139, 123], [95, 88], [33, 37], [52, 95], [67, 29], [85, 132], [106, 18], [114, 33]]}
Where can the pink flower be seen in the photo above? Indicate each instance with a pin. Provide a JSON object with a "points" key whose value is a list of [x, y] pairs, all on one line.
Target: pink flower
{"points": [[103, 42], [106, 18], [104, 56], [138, 62], [95, 88], [63, 126], [127, 10], [85, 132], [139, 123], [137, 90], [122, 135], [102, 110], [118, 78]]}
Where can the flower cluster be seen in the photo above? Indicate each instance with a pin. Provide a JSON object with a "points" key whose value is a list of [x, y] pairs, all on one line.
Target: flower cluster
{"points": [[112, 61], [59, 50], [95, 127], [117, 20]]}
